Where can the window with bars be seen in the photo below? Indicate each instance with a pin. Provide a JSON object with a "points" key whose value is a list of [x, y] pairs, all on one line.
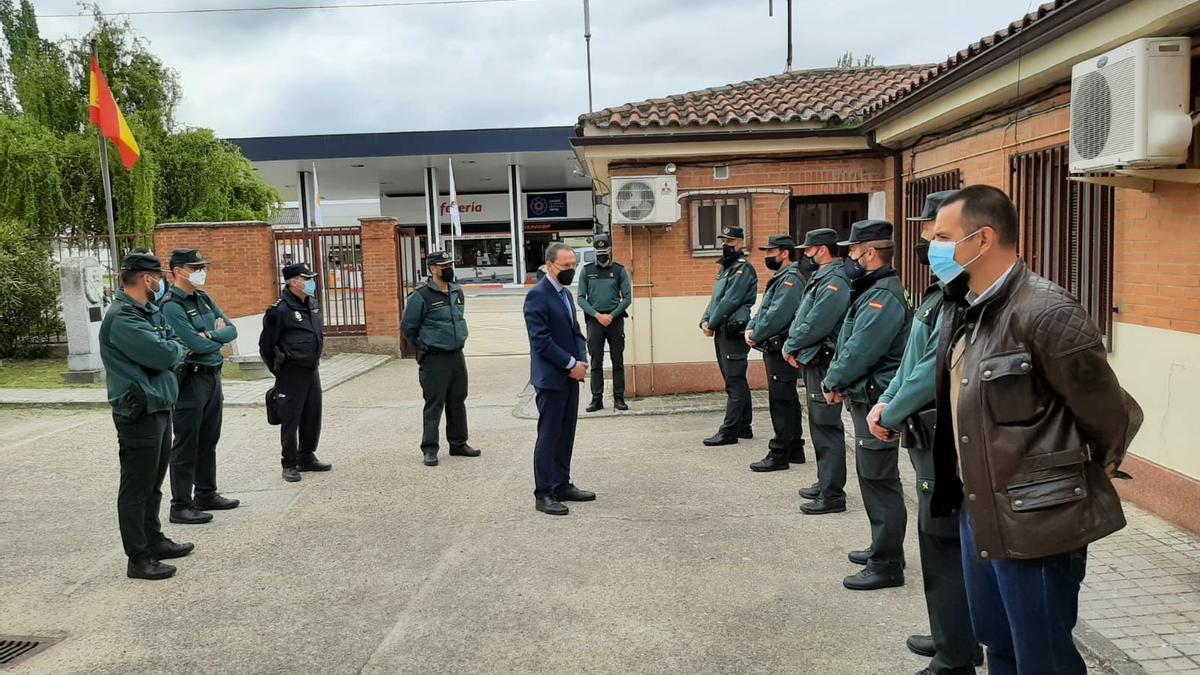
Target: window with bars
{"points": [[710, 216], [915, 276], [1066, 229]]}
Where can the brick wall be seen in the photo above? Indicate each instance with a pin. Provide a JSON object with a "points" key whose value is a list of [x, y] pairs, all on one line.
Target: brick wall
{"points": [[242, 275], [665, 258], [381, 285]]}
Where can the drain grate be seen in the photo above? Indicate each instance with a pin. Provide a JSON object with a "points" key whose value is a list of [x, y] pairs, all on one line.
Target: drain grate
{"points": [[18, 648]]}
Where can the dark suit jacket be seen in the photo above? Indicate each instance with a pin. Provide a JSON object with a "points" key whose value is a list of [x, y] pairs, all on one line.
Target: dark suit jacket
{"points": [[554, 337]]}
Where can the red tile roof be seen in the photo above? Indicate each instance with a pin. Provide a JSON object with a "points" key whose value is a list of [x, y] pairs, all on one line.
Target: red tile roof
{"points": [[830, 95], [1047, 10]]}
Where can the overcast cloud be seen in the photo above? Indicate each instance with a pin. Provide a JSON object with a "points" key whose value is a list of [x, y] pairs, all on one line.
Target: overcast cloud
{"points": [[506, 64]]}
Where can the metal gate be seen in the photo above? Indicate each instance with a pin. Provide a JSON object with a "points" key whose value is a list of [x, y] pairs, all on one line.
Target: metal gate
{"points": [[916, 277], [408, 274], [335, 256]]}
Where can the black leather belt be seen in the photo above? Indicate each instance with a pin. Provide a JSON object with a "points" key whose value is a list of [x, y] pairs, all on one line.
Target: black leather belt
{"points": [[197, 368]]}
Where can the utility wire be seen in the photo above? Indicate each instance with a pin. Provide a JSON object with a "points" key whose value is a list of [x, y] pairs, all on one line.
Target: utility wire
{"points": [[281, 8]]}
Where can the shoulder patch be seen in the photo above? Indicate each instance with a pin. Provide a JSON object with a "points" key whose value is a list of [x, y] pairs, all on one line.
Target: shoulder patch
{"points": [[832, 287], [789, 284], [276, 303], [740, 272], [875, 305]]}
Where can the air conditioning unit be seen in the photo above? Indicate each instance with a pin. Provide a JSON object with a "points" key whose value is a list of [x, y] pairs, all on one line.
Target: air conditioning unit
{"points": [[1130, 109], [645, 200]]}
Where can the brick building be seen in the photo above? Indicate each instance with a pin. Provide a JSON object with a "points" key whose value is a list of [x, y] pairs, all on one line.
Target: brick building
{"points": [[822, 148]]}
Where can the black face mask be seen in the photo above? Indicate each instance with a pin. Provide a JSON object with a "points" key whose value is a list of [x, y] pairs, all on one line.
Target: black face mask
{"points": [[808, 265], [448, 274], [729, 254], [854, 269], [565, 277], [603, 258], [774, 263], [922, 249]]}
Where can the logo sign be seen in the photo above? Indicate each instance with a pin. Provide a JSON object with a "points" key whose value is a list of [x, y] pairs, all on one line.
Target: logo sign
{"points": [[546, 205]]}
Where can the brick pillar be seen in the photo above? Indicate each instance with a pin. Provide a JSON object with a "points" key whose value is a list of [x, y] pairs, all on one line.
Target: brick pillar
{"points": [[242, 276], [381, 284]]}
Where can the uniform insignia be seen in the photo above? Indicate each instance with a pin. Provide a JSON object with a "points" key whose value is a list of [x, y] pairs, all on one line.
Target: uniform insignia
{"points": [[875, 305], [298, 318], [191, 312], [928, 311], [316, 310], [788, 284], [276, 303], [831, 287], [924, 486], [739, 272]]}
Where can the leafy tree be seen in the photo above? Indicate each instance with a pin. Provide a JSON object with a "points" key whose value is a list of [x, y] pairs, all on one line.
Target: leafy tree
{"points": [[28, 291], [848, 62]]}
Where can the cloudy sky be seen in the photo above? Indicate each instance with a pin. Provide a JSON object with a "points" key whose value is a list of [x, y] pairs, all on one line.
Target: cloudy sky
{"points": [[498, 64]]}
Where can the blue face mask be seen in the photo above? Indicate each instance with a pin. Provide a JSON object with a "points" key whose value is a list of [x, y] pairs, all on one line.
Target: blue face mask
{"points": [[161, 291], [310, 287], [942, 262]]}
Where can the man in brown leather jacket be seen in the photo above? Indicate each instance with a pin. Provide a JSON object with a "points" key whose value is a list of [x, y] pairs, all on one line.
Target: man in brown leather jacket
{"points": [[1030, 409]]}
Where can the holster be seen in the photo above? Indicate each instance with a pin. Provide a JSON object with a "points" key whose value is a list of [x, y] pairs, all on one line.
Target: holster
{"points": [[272, 403], [735, 328], [919, 429], [774, 345]]}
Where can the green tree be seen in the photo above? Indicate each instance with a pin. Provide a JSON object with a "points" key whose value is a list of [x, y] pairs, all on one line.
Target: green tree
{"points": [[28, 291]]}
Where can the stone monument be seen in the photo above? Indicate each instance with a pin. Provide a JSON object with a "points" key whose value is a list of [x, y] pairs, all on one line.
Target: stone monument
{"points": [[83, 305]]}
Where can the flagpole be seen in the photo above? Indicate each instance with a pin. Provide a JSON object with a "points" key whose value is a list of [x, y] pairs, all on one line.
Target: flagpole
{"points": [[113, 252]]}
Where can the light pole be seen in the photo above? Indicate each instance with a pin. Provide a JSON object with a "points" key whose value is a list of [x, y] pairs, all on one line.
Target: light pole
{"points": [[587, 38]]}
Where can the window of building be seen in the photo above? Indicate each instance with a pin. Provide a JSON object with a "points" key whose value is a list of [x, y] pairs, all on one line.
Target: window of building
{"points": [[914, 276], [838, 212], [710, 216], [1066, 229]]}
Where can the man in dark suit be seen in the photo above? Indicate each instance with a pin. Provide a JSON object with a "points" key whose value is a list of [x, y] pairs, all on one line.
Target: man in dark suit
{"points": [[558, 364]]}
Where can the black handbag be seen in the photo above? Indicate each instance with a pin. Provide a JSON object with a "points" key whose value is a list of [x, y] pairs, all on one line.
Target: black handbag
{"points": [[272, 403]]}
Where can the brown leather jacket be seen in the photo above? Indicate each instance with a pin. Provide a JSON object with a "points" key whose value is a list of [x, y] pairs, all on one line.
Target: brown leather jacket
{"points": [[1040, 414]]}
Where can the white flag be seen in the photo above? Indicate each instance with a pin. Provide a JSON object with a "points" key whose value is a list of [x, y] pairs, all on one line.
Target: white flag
{"points": [[320, 222], [455, 219]]}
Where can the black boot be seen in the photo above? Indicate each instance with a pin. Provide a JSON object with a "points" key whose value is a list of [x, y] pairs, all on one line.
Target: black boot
{"points": [[290, 474], [874, 579], [819, 507], [619, 403], [720, 439], [431, 458], [169, 549], [464, 450], [811, 492], [596, 404], [797, 455], [149, 569], [771, 462], [189, 516]]}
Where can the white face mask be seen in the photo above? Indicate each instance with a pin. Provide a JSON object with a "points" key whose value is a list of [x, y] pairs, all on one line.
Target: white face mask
{"points": [[198, 277]]}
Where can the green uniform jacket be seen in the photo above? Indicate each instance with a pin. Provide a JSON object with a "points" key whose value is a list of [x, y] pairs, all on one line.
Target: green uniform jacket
{"points": [[605, 290], [733, 295], [435, 320], [191, 317], [872, 340], [779, 304], [826, 299], [911, 390], [140, 353]]}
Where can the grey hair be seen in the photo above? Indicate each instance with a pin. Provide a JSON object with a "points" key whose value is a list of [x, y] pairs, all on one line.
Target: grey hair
{"points": [[553, 249], [289, 280]]}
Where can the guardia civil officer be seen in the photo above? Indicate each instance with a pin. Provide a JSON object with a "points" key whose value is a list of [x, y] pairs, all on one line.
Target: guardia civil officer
{"points": [[767, 332], [435, 324], [810, 344], [604, 296], [725, 320], [868, 353], [290, 344], [907, 408], [140, 352], [201, 325]]}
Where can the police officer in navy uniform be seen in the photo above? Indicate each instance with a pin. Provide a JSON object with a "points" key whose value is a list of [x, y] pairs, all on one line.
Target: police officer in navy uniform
{"points": [[199, 322], [767, 332], [435, 324], [869, 350], [605, 294], [725, 320], [811, 344], [290, 344]]}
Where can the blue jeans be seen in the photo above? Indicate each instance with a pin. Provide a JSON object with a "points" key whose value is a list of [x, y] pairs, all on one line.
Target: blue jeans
{"points": [[1024, 610]]}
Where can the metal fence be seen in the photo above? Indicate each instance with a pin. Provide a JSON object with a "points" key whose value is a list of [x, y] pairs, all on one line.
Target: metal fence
{"points": [[97, 246], [335, 256], [916, 277]]}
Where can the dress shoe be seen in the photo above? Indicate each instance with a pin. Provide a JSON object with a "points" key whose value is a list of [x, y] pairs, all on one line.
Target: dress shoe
{"points": [[871, 580], [860, 558], [746, 434], [811, 492], [619, 403], [291, 474], [168, 549], [189, 516], [431, 458], [797, 457], [214, 502], [770, 463], [595, 405], [464, 451], [718, 439], [921, 645], [573, 494], [819, 507], [150, 569], [314, 465], [550, 506]]}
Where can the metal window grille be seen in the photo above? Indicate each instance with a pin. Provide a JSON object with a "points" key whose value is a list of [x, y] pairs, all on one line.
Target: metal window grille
{"points": [[335, 256], [915, 276]]}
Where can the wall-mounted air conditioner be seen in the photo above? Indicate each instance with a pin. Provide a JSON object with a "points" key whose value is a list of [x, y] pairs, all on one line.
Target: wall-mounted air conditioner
{"points": [[645, 200], [1130, 107]]}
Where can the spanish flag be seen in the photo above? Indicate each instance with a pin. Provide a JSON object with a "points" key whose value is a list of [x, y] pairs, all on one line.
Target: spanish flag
{"points": [[108, 117]]}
